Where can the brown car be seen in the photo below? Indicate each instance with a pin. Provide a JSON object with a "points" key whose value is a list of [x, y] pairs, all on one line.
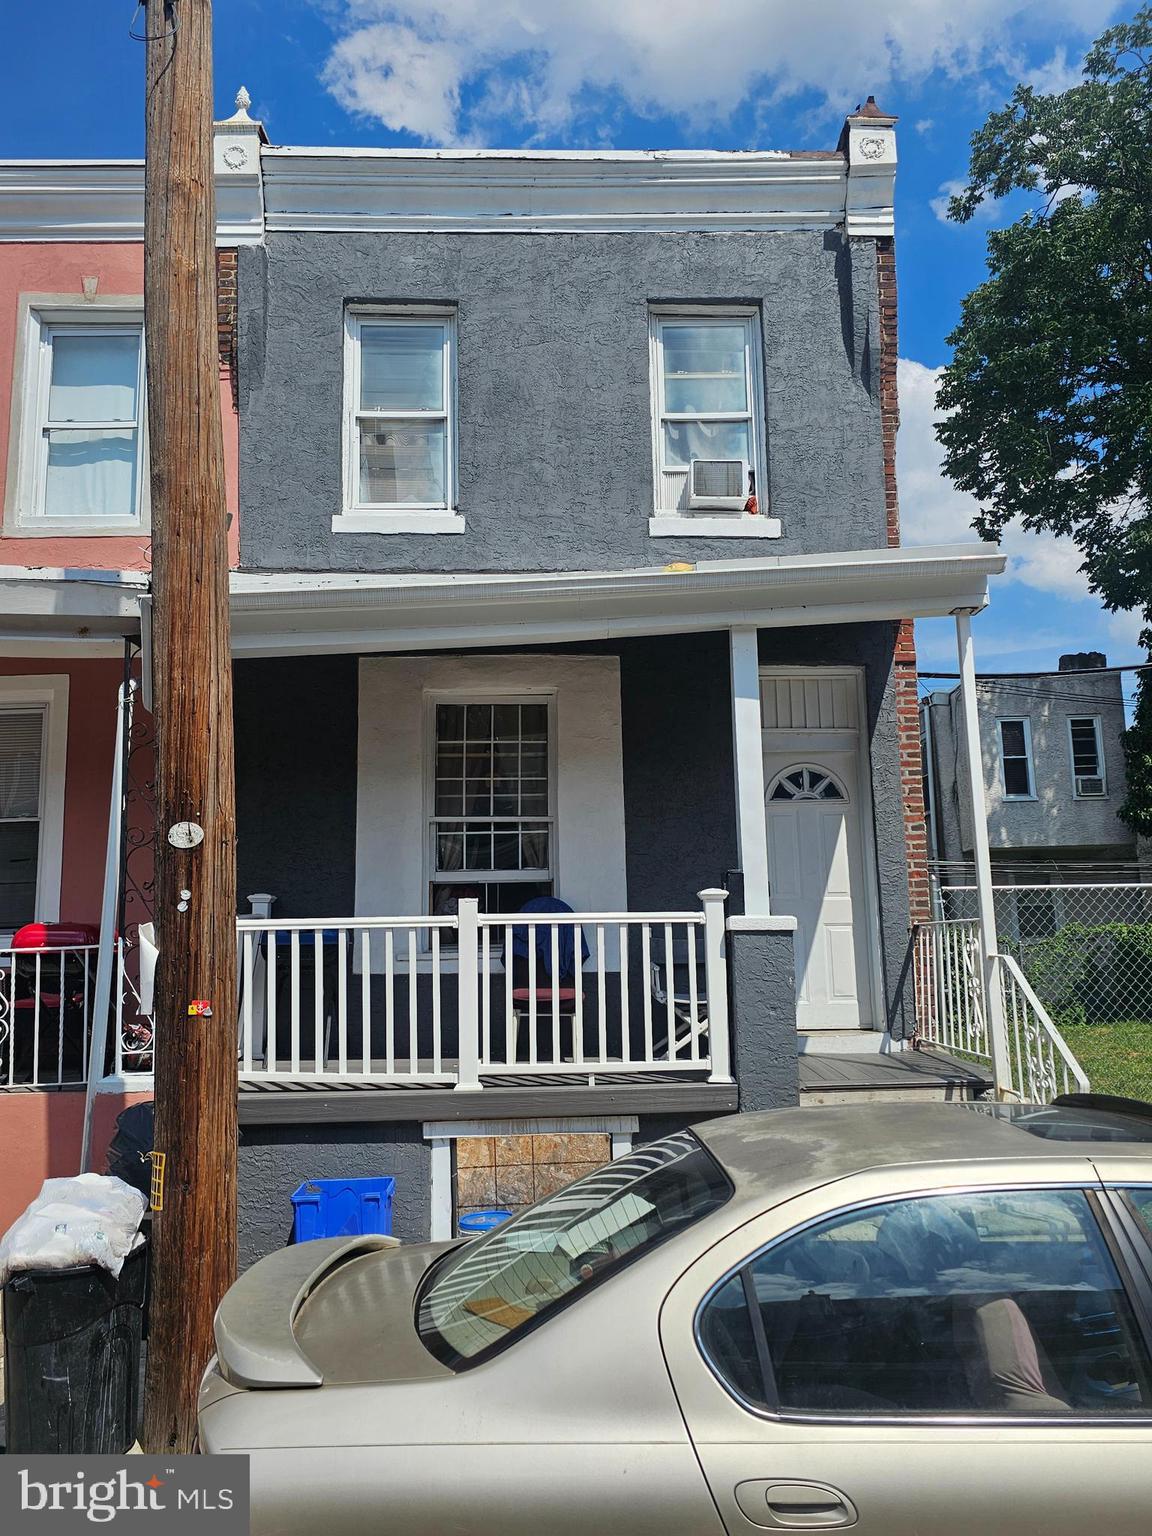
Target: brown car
{"points": [[896, 1319]]}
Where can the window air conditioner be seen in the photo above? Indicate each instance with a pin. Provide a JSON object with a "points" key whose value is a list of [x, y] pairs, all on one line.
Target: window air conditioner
{"points": [[718, 483], [1087, 786]]}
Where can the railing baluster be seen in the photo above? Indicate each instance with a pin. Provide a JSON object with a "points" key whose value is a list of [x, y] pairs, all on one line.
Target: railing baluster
{"points": [[511, 1027], [670, 993], [246, 1004], [554, 990], [270, 1029], [389, 1003], [646, 968], [413, 1005], [693, 998], [625, 1011], [12, 1015], [294, 996], [319, 1005], [436, 1055], [485, 995], [530, 930], [341, 996], [365, 1001], [578, 1009], [60, 1006], [36, 1006], [601, 997]]}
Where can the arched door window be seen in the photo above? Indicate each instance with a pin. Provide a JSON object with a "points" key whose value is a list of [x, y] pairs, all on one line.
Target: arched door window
{"points": [[806, 783]]}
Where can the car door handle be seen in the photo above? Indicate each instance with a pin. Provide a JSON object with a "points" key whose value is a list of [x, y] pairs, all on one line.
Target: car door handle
{"points": [[795, 1506]]}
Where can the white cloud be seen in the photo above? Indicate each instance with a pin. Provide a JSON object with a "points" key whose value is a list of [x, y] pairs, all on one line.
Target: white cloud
{"points": [[442, 69], [1055, 75], [925, 125], [933, 511]]}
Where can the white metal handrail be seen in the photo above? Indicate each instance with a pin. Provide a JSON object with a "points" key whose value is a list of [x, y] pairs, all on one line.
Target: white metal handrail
{"points": [[1042, 1065], [951, 1012]]}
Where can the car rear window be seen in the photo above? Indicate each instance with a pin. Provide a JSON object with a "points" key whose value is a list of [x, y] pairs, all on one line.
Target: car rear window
{"points": [[484, 1295]]}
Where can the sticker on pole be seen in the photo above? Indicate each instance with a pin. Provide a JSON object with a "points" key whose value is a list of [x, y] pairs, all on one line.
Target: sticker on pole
{"points": [[200, 1008]]}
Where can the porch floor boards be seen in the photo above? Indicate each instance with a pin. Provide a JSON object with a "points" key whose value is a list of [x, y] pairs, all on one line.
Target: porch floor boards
{"points": [[526, 1094], [918, 1072]]}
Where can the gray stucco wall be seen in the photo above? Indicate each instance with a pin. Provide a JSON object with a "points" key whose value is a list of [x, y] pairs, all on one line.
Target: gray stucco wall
{"points": [[762, 980], [555, 448], [276, 1159], [872, 647], [1055, 819]]}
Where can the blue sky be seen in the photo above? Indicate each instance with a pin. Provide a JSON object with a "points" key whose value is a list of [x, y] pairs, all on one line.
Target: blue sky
{"points": [[642, 74]]}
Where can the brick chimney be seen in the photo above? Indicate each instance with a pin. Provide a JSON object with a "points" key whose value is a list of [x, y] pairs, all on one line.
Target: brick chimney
{"points": [[1083, 661]]}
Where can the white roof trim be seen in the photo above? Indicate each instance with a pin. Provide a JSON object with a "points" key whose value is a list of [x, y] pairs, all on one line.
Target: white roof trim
{"points": [[298, 613]]}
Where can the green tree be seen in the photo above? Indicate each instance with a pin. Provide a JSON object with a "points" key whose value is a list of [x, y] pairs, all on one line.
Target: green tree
{"points": [[1050, 384]]}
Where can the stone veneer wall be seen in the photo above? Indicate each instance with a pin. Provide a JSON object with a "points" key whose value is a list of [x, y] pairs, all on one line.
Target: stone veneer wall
{"points": [[511, 1172]]}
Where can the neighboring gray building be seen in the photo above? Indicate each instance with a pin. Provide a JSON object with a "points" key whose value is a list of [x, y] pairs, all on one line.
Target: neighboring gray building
{"points": [[1053, 775]]}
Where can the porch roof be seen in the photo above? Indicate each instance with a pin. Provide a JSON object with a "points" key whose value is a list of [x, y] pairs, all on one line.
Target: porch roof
{"points": [[292, 613], [330, 612]]}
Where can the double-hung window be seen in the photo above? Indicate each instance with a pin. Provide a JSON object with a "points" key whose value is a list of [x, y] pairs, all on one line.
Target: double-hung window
{"points": [[492, 825], [81, 459], [1017, 775], [1087, 757], [22, 733], [707, 368], [399, 422]]}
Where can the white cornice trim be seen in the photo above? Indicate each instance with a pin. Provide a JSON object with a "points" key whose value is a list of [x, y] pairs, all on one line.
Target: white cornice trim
{"points": [[575, 192]]}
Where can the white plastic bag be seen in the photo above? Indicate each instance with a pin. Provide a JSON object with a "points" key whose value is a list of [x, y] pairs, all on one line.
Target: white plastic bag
{"points": [[92, 1219]]}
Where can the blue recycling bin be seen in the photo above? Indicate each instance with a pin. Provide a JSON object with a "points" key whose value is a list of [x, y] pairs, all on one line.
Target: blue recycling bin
{"points": [[343, 1208], [476, 1223]]}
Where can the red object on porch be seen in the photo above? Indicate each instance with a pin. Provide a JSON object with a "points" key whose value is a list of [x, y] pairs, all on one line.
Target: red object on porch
{"points": [[54, 936], [544, 994]]}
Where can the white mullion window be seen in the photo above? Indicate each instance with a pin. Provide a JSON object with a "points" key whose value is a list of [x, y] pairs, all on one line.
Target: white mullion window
{"points": [[22, 739], [399, 437], [706, 384], [82, 426], [1017, 773], [1087, 755], [492, 820]]}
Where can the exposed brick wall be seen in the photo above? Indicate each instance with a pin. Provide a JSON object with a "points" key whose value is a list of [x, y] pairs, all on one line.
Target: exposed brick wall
{"points": [[907, 708], [226, 293]]}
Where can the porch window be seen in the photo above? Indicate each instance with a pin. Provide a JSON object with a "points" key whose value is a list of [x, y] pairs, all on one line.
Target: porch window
{"points": [[399, 438], [82, 413], [1087, 757], [1016, 769], [706, 372], [21, 762], [492, 825]]}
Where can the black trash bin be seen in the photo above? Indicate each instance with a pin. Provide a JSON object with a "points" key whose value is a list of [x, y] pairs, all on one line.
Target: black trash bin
{"points": [[72, 1357]]}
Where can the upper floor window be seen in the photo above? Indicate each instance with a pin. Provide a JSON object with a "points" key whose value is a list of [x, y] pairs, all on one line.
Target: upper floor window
{"points": [[399, 421], [81, 439], [1016, 771], [1087, 757], [707, 371]]}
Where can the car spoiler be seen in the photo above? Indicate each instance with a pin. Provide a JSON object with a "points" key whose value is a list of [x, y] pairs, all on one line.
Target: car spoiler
{"points": [[255, 1339]]}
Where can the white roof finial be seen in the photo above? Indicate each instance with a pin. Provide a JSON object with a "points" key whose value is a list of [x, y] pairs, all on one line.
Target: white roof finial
{"points": [[243, 100]]}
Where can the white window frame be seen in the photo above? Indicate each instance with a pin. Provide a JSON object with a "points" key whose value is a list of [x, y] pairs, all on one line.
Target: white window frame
{"points": [[1101, 773], [433, 697], [1001, 721], [417, 517], [40, 316], [677, 522], [49, 693]]}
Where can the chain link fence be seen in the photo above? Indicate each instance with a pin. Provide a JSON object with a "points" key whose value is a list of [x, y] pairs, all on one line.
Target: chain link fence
{"points": [[1087, 953]]}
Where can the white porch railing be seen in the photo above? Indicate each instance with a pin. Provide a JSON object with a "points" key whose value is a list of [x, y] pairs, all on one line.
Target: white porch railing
{"points": [[458, 998], [46, 1001], [951, 1013]]}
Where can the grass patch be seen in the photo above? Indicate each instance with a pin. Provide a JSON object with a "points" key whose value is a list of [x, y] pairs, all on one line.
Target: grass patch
{"points": [[1117, 1057]]}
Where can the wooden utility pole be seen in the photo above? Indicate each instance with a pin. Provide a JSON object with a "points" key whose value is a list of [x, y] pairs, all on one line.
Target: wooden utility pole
{"points": [[194, 1253]]}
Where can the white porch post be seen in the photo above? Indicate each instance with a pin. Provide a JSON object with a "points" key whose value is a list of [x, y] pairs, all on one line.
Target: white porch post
{"points": [[716, 981], [981, 858], [748, 759], [468, 978]]}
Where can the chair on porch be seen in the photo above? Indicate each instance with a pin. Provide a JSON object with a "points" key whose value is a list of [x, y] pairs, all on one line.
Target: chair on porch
{"points": [[556, 996], [689, 1015]]}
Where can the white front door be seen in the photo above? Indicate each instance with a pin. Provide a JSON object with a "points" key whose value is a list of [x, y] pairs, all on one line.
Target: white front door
{"points": [[816, 875]]}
